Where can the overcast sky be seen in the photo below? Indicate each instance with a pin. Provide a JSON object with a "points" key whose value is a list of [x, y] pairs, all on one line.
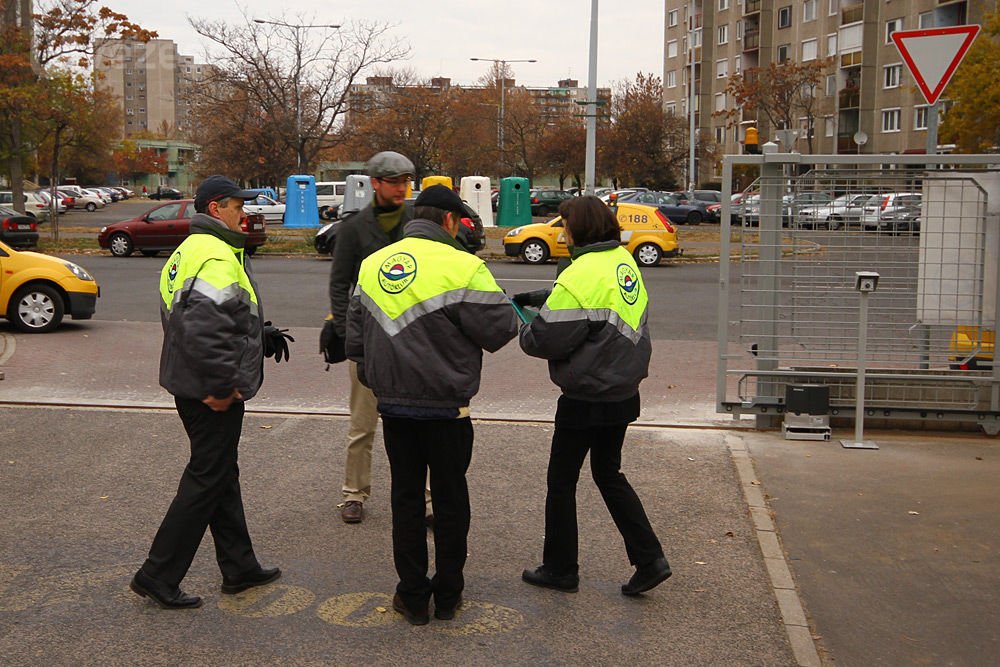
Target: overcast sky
{"points": [[444, 34]]}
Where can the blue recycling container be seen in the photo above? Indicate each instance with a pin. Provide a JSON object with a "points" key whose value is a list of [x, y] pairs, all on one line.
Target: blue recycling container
{"points": [[514, 204], [301, 207]]}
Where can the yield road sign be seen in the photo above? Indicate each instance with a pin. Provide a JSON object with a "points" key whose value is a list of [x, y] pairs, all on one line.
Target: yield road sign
{"points": [[933, 55]]}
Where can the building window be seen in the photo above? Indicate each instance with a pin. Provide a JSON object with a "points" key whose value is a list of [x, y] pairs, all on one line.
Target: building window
{"points": [[720, 135], [723, 5], [891, 74], [890, 120], [721, 69], [724, 33], [808, 11], [828, 126], [833, 7], [672, 19], [696, 39], [142, 111], [927, 20], [739, 30], [831, 85], [785, 17], [672, 48], [920, 117], [831, 45], [720, 101], [737, 64], [672, 109], [672, 79], [809, 50], [891, 26], [783, 53]]}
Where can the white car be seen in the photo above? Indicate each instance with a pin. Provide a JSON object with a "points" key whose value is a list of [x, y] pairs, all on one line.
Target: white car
{"points": [[888, 203], [843, 210], [35, 206], [273, 212]]}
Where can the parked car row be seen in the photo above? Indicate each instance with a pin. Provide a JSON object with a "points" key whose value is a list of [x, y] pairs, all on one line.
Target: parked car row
{"points": [[886, 211]]}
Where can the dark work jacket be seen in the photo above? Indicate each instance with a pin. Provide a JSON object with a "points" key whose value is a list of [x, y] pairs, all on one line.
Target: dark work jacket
{"points": [[358, 237]]}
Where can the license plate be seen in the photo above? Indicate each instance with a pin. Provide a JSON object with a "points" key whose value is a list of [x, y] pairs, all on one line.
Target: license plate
{"points": [[24, 226]]}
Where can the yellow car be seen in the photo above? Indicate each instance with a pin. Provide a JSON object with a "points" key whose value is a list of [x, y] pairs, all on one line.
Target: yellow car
{"points": [[36, 290], [646, 233]]}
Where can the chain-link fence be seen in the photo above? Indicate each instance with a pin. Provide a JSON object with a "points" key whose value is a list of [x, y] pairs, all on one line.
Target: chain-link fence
{"points": [[927, 225]]}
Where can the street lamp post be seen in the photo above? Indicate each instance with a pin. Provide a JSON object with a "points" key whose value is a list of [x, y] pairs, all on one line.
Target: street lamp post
{"points": [[298, 67], [503, 77]]}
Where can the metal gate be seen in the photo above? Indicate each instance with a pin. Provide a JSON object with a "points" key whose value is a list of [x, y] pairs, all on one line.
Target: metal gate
{"points": [[928, 225]]}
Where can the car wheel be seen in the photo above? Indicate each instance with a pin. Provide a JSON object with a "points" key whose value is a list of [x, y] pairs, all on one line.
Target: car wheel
{"points": [[833, 222], [648, 254], [150, 253], [120, 244], [694, 218], [36, 308], [534, 252], [91, 206]]}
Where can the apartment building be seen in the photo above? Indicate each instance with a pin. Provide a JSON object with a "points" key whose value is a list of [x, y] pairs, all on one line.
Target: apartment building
{"points": [[151, 80], [561, 99], [867, 92]]}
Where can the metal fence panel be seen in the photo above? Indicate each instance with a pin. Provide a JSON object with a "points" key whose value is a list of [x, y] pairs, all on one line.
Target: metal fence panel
{"points": [[802, 231]]}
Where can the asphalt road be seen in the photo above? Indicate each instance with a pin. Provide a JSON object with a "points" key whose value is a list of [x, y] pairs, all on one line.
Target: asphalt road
{"points": [[684, 298]]}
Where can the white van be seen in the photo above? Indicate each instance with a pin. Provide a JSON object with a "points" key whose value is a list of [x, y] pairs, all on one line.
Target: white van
{"points": [[330, 195]]}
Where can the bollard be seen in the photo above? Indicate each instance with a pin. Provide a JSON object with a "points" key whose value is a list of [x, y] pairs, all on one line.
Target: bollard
{"points": [[865, 282]]}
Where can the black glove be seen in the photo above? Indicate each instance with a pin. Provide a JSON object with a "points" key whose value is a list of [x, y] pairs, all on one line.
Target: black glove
{"points": [[535, 299], [331, 346], [274, 342]]}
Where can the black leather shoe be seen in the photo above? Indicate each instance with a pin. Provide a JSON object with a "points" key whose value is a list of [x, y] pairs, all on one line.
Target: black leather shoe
{"points": [[249, 580], [540, 576], [167, 598], [447, 613], [412, 617], [647, 577]]}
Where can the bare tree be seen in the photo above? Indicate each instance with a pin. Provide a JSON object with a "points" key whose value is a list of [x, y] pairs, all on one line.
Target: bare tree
{"points": [[299, 76]]}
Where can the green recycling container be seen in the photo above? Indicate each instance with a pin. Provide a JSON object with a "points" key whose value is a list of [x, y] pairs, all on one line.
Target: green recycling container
{"points": [[514, 204]]}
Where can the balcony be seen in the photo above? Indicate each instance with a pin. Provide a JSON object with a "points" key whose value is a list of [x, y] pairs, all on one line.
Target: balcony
{"points": [[751, 41], [850, 98], [697, 55], [751, 7], [852, 14]]}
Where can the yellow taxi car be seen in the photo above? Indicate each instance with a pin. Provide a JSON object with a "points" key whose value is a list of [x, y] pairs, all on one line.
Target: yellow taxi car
{"points": [[37, 291], [646, 233]]}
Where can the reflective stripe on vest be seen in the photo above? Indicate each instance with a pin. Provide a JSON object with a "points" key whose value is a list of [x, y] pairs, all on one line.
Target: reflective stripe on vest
{"points": [[601, 287], [413, 277], [200, 265]]}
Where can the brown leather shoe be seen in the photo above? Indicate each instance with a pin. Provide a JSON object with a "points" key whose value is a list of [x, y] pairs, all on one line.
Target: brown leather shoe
{"points": [[352, 512]]}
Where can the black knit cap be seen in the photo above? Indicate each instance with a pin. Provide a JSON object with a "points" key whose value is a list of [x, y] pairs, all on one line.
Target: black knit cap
{"points": [[215, 188], [442, 197]]}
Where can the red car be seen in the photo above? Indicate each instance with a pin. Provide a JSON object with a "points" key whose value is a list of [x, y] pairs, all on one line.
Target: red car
{"points": [[164, 227]]}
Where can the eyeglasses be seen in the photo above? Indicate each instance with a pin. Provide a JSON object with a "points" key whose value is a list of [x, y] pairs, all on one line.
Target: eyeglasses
{"points": [[395, 181]]}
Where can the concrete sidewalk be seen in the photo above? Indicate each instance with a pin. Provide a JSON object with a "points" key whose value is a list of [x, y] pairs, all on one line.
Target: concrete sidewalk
{"points": [[785, 552]]}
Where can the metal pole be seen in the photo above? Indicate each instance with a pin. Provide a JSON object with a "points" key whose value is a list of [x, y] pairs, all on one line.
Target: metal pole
{"points": [[932, 129], [859, 402], [692, 173], [503, 77], [298, 103], [590, 160]]}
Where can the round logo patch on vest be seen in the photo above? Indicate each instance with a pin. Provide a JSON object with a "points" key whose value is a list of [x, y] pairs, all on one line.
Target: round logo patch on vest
{"points": [[628, 283], [175, 259], [397, 272]]}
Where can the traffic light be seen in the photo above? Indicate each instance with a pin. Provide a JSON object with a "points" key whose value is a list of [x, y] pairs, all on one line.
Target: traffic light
{"points": [[750, 145]]}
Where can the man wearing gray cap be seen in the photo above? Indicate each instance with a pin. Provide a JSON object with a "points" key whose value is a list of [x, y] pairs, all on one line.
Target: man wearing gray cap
{"points": [[372, 228]]}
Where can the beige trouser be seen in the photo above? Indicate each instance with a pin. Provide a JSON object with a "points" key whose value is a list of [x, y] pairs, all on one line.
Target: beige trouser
{"points": [[360, 436]]}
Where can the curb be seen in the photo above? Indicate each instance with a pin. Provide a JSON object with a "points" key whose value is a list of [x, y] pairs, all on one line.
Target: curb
{"points": [[782, 584]]}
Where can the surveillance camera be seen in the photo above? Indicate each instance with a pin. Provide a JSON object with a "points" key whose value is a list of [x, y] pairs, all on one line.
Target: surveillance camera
{"points": [[866, 281]]}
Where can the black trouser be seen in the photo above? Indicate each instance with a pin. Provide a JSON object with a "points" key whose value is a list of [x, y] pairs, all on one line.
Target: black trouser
{"points": [[208, 496], [569, 448], [445, 447]]}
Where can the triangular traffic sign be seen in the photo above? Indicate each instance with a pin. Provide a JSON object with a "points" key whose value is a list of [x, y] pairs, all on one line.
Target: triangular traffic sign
{"points": [[933, 55]]}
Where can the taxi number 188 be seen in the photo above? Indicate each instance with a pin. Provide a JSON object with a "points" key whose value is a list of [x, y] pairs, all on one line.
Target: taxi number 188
{"points": [[634, 217]]}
